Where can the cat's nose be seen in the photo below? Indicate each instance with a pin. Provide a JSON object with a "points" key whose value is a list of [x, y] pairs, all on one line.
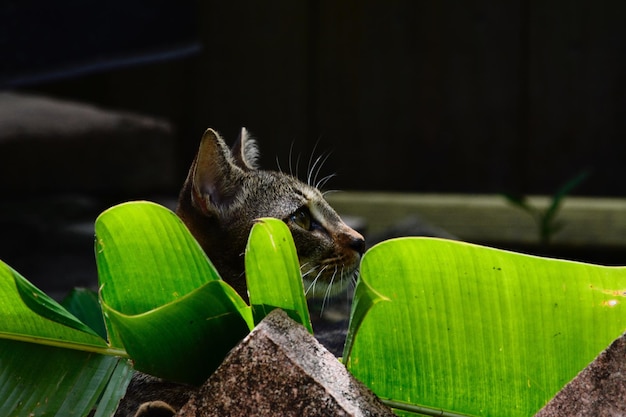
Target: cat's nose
{"points": [[356, 242]]}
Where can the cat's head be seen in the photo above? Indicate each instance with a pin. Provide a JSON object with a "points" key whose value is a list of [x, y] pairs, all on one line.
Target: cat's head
{"points": [[225, 192]]}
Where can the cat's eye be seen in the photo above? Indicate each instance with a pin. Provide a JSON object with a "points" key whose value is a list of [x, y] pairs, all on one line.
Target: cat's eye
{"points": [[302, 217]]}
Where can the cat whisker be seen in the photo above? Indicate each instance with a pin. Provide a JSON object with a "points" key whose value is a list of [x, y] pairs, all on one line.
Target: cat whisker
{"points": [[328, 291], [321, 183], [278, 165], [325, 193], [291, 159], [349, 279], [319, 162], [355, 278], [313, 170], [351, 285], [314, 282], [297, 166], [309, 167], [311, 270], [309, 174], [311, 286], [321, 272]]}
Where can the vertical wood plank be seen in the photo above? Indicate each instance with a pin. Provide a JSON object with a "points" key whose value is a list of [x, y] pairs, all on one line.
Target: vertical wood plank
{"points": [[578, 95], [254, 72], [423, 95]]}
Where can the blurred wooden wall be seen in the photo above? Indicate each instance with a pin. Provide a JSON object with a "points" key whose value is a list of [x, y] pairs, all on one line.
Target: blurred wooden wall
{"points": [[423, 96]]}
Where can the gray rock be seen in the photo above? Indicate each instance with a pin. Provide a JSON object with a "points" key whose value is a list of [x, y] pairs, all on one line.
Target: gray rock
{"points": [[599, 390], [280, 369]]}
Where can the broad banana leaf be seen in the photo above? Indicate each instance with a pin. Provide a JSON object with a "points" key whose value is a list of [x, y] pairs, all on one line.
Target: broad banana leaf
{"points": [[29, 315], [474, 331], [50, 362], [161, 296], [273, 272], [83, 303]]}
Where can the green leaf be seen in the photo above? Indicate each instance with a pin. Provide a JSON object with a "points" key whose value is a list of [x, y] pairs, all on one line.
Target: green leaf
{"points": [[40, 303], [185, 340], [83, 303], [38, 380], [365, 297], [162, 298], [27, 314], [273, 272], [115, 389], [141, 241], [51, 362], [479, 331]]}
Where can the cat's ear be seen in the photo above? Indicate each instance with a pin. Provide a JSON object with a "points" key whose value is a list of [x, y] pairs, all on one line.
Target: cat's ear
{"points": [[245, 151], [216, 178]]}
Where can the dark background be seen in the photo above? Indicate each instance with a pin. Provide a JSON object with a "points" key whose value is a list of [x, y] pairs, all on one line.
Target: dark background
{"points": [[420, 96]]}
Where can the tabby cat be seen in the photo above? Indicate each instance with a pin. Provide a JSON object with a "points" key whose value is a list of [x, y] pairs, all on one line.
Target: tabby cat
{"points": [[225, 192]]}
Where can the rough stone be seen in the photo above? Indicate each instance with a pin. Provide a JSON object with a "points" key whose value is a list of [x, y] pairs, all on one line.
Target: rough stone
{"points": [[280, 369], [598, 390], [50, 145]]}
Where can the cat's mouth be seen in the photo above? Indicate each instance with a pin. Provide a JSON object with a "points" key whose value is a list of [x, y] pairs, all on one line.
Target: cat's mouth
{"points": [[329, 278], [329, 274]]}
